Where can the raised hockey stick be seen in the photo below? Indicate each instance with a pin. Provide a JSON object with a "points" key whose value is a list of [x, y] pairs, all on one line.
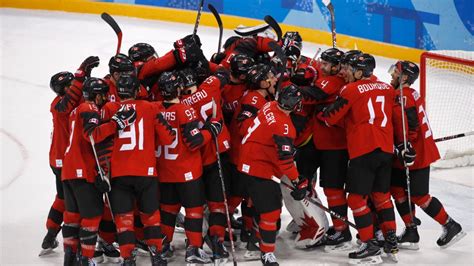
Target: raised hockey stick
{"points": [[102, 175], [111, 21], [198, 18], [315, 55], [407, 170], [470, 133], [274, 24], [219, 22], [330, 7], [221, 176], [324, 208]]}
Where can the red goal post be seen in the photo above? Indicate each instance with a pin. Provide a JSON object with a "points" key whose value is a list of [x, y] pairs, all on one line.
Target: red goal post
{"points": [[447, 86]]}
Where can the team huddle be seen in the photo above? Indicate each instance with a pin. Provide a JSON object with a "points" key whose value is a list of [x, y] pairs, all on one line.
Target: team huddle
{"points": [[250, 127]]}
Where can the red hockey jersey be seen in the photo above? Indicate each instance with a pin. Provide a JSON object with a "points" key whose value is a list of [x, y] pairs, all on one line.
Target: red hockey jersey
{"points": [[60, 109], [267, 148], [79, 161], [419, 130], [133, 152], [202, 102], [365, 108], [181, 160]]}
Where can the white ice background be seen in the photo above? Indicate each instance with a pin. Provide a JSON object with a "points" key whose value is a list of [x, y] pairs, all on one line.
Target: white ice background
{"points": [[37, 44]]}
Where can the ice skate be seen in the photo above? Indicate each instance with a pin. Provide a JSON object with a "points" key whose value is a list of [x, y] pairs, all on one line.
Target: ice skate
{"points": [[368, 254], [179, 228], [195, 256], [452, 233], [156, 257], [105, 252], [168, 250], [85, 261], [338, 241], [409, 239], [269, 259], [253, 249], [129, 262], [390, 246], [70, 257], [219, 251], [49, 243], [142, 248]]}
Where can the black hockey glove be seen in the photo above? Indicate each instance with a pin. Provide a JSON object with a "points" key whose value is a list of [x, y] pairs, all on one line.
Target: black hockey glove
{"points": [[213, 125], [124, 118], [188, 40], [187, 54], [406, 157], [299, 192], [217, 58], [103, 185], [84, 71]]}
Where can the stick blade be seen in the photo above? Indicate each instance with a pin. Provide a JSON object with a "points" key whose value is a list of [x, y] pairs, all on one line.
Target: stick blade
{"points": [[111, 21], [274, 24]]}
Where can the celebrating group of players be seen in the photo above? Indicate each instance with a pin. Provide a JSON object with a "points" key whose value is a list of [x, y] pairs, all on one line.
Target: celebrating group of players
{"points": [[161, 133]]}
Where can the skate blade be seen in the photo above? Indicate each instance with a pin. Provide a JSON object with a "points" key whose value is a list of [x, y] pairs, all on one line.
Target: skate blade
{"points": [[372, 260], [199, 263], [345, 246], [218, 262], [455, 239], [45, 252], [143, 253], [391, 257], [252, 255], [409, 246]]}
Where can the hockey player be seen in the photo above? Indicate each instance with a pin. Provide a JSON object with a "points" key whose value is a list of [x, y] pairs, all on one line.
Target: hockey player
{"points": [[331, 146], [140, 53], [83, 200], [261, 82], [233, 91], [266, 155], [68, 89], [133, 169], [365, 108], [420, 144], [180, 169]]}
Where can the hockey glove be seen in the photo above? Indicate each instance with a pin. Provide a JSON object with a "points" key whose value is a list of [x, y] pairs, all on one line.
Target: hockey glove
{"points": [[187, 54], [84, 71], [406, 157], [305, 76], [103, 185], [124, 118], [213, 125], [187, 41], [301, 187], [217, 58]]}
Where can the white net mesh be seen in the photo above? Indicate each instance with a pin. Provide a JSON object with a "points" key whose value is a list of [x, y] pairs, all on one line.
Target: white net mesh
{"points": [[449, 96]]}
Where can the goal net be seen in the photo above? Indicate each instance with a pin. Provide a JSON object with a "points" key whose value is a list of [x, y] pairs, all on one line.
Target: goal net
{"points": [[447, 84]]}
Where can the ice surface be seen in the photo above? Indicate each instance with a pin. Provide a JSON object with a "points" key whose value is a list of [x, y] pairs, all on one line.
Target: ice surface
{"points": [[37, 44]]}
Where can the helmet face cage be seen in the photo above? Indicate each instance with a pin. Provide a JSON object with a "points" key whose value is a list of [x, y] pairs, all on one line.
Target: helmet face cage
{"points": [[240, 65], [94, 87], [169, 85], [127, 86], [60, 81], [289, 98]]}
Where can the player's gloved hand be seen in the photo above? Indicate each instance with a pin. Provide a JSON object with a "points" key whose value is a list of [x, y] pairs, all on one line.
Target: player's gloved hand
{"points": [[301, 185], [188, 54], [103, 185], [124, 118], [305, 76], [217, 58], [84, 70], [406, 157], [188, 40], [223, 75], [213, 125]]}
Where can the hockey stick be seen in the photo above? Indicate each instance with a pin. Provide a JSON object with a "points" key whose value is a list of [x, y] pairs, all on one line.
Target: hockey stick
{"points": [[274, 24], [221, 176], [470, 133], [407, 170], [111, 21], [198, 18], [102, 175], [315, 55], [330, 7], [219, 22], [321, 206], [281, 56]]}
